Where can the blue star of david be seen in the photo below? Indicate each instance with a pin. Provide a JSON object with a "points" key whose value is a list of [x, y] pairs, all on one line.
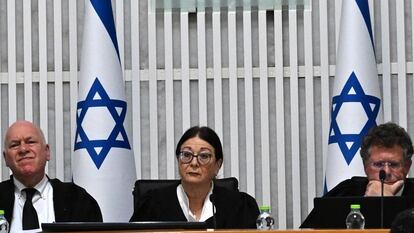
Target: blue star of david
{"points": [[336, 136], [111, 141]]}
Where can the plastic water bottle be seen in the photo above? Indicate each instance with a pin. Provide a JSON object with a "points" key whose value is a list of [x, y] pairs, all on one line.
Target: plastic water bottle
{"points": [[4, 225], [265, 221], [355, 219]]}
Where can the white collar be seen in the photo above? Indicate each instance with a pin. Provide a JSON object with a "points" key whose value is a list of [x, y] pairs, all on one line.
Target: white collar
{"points": [[207, 210], [40, 187]]}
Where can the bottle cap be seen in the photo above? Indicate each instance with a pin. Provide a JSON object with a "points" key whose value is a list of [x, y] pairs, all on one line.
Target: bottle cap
{"points": [[355, 206], [1, 212], [264, 208]]}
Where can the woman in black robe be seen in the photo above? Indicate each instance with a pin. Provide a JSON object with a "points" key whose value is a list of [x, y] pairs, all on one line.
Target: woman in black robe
{"points": [[200, 156]]}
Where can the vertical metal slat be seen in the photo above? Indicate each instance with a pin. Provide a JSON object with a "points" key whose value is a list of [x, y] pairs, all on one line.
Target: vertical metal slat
{"points": [[386, 62], [43, 68], [136, 82], [234, 123], [402, 83], [57, 21], [73, 68], [153, 116], [310, 106], [248, 99], [169, 92], [202, 71], [280, 122], [325, 97], [338, 9], [264, 109], [27, 44], [11, 59], [294, 117], [218, 105], [185, 71]]}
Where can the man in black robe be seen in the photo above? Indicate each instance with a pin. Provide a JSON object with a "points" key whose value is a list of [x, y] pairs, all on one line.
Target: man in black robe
{"points": [[26, 154], [387, 147]]}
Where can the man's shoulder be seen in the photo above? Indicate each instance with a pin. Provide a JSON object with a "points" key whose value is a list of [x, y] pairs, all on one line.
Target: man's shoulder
{"points": [[6, 188], [59, 186], [73, 203], [70, 192], [410, 180], [58, 183], [355, 180], [408, 187], [359, 179], [349, 187], [6, 183]]}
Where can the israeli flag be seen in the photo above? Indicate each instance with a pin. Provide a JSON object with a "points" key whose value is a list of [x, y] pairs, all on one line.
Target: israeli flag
{"points": [[356, 101], [103, 161]]}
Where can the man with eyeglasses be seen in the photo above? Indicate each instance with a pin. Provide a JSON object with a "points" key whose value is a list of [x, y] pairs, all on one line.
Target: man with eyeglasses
{"points": [[387, 147]]}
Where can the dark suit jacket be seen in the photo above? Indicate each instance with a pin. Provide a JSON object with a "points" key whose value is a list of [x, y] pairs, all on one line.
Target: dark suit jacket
{"points": [[71, 202], [356, 187], [233, 209]]}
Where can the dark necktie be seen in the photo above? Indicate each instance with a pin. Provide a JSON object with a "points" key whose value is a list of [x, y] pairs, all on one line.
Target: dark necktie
{"points": [[30, 220]]}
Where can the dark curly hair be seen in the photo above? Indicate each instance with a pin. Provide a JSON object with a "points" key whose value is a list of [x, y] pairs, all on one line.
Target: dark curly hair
{"points": [[404, 222], [387, 135], [205, 133]]}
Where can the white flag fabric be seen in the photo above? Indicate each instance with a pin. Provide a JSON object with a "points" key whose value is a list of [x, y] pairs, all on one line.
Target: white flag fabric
{"points": [[103, 161], [356, 100]]}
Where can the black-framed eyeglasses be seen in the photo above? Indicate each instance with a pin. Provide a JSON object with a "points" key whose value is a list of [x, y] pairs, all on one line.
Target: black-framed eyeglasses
{"points": [[187, 156], [390, 164]]}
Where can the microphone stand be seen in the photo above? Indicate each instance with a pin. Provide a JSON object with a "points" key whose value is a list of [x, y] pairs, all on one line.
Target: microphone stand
{"points": [[382, 176]]}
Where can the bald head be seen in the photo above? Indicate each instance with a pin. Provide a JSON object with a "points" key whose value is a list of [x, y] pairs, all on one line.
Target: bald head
{"points": [[23, 123], [26, 152]]}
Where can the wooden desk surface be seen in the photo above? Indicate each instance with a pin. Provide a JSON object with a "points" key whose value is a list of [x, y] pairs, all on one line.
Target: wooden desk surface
{"points": [[254, 231]]}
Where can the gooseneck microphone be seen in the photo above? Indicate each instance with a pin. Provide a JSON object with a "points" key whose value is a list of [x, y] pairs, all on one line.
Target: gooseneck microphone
{"points": [[382, 176], [212, 200]]}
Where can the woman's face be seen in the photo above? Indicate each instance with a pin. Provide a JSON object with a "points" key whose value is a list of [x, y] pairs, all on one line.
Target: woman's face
{"points": [[194, 171]]}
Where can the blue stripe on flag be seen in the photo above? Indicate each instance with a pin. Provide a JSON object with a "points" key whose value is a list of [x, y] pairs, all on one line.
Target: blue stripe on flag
{"points": [[104, 10], [364, 8]]}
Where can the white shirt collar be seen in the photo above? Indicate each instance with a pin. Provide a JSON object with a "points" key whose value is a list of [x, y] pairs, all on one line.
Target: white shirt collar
{"points": [[42, 201], [40, 187], [207, 210]]}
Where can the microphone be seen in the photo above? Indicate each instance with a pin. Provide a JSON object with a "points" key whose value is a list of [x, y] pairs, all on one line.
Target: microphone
{"points": [[212, 200], [382, 176]]}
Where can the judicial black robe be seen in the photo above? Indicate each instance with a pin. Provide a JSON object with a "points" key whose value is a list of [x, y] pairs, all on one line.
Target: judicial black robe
{"points": [[71, 202], [356, 187], [234, 209]]}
